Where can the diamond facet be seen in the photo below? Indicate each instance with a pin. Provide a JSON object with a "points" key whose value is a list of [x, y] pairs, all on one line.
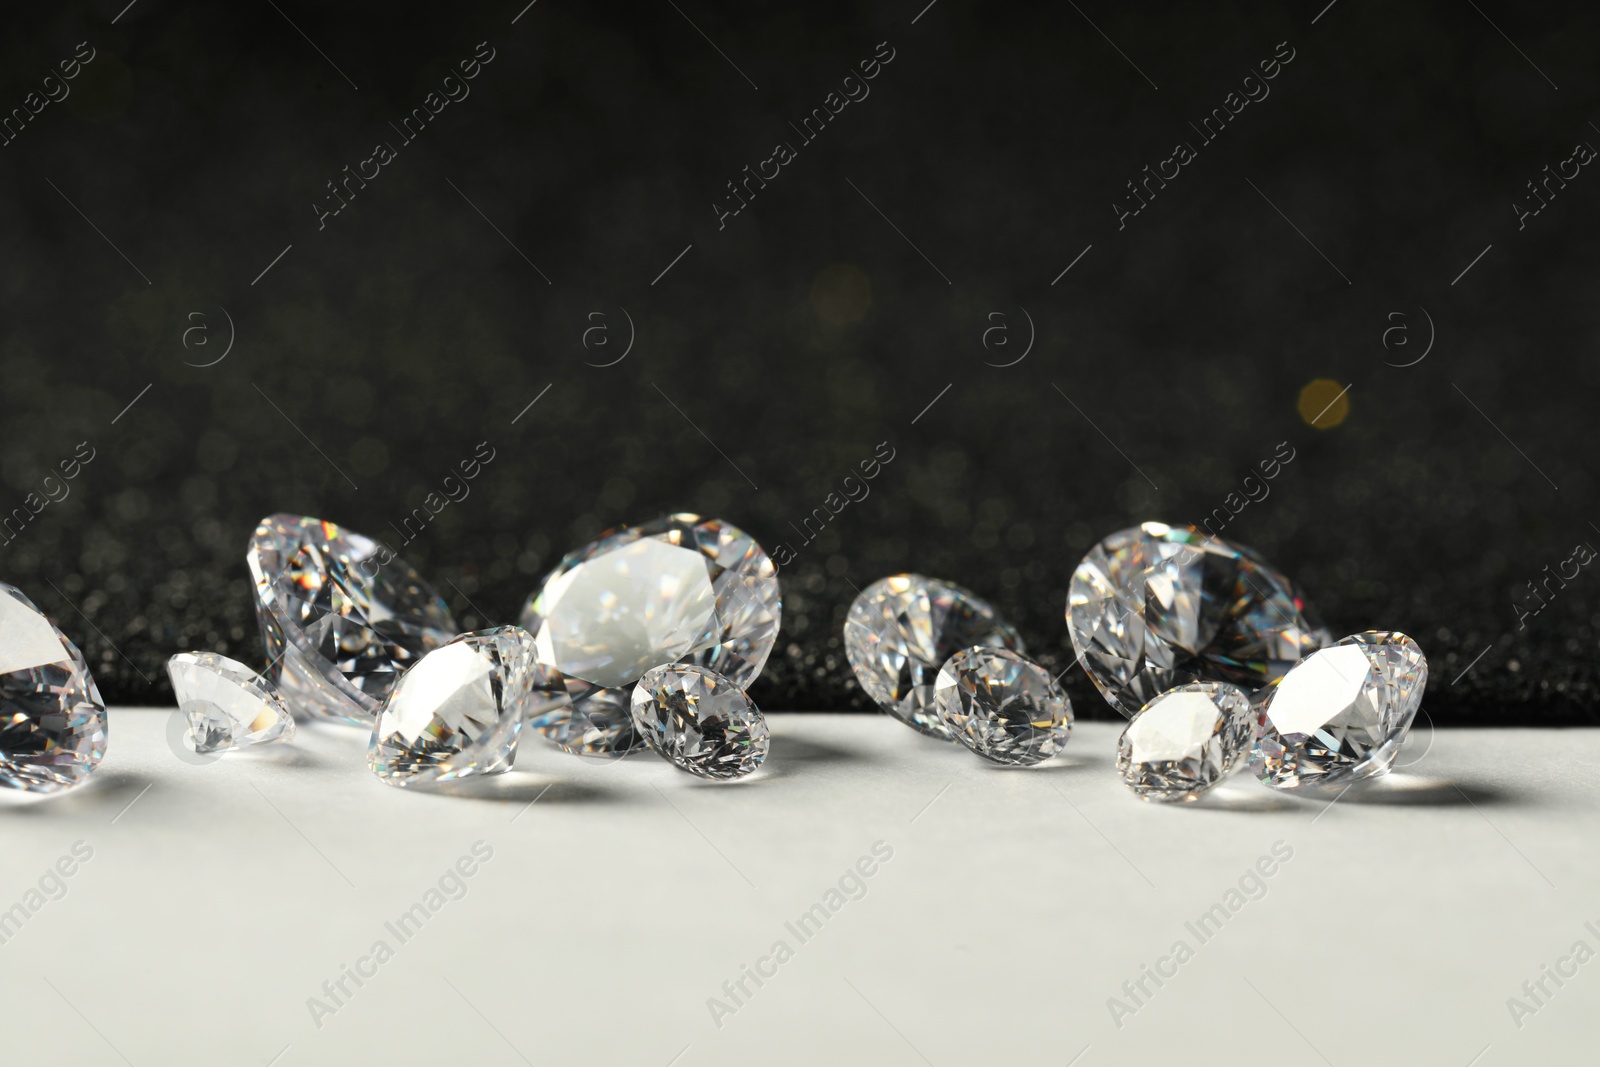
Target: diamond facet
{"points": [[900, 631], [1341, 714], [699, 720], [1002, 706], [1155, 606], [1186, 740], [676, 590], [227, 704], [52, 720], [458, 711], [340, 616]]}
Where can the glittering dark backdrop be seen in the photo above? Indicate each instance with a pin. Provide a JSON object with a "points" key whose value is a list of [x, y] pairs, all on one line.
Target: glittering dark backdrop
{"points": [[968, 206]]}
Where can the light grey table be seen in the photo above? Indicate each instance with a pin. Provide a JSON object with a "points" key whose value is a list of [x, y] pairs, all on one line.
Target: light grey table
{"points": [[613, 910]]}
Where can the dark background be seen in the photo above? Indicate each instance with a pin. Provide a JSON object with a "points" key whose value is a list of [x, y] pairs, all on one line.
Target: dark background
{"points": [[380, 350]]}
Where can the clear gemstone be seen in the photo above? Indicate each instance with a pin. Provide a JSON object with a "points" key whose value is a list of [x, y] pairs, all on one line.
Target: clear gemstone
{"points": [[676, 590], [226, 703], [900, 631], [52, 720], [1186, 740], [1155, 606], [458, 711], [341, 616], [1002, 706], [1340, 715], [701, 721]]}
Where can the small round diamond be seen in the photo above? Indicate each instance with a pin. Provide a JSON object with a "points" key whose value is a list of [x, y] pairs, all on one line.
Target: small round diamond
{"points": [[1342, 714], [1156, 606], [458, 712], [699, 720], [1186, 740], [900, 631], [227, 704], [1002, 706], [677, 590]]}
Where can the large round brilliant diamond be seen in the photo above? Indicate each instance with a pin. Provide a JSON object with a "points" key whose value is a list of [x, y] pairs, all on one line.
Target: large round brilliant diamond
{"points": [[341, 616], [676, 590], [1157, 606], [52, 720], [1342, 714]]}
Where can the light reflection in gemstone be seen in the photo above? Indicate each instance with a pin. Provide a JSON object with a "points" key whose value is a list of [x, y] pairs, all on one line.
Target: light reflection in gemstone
{"points": [[341, 617], [900, 630], [1003, 706]]}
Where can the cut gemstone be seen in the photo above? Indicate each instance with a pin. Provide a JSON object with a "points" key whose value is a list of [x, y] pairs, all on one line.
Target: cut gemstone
{"points": [[227, 704], [1340, 715], [341, 616], [52, 720], [699, 720], [1002, 706], [1156, 606], [458, 711], [1186, 740], [676, 590], [900, 631]]}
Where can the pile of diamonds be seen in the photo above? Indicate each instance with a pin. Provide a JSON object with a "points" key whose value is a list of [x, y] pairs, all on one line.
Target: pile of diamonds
{"points": [[647, 636], [1214, 656]]}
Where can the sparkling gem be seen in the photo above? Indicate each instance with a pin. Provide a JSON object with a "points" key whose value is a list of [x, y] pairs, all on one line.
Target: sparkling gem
{"points": [[1341, 714], [1155, 606], [701, 721], [1002, 706], [900, 631], [52, 720], [227, 704], [676, 590], [1186, 740], [457, 712], [341, 617]]}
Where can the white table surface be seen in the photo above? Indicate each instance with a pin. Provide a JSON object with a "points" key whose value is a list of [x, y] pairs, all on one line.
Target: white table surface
{"points": [[220, 897]]}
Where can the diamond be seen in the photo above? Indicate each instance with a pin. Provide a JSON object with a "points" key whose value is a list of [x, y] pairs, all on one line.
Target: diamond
{"points": [[676, 590], [1186, 740], [1155, 606], [458, 711], [699, 720], [900, 631], [227, 704], [52, 720], [1002, 706], [340, 616], [1341, 714]]}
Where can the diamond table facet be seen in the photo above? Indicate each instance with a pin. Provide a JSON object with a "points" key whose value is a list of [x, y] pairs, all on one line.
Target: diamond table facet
{"points": [[1155, 606], [1002, 706], [459, 711], [52, 720], [341, 616], [1186, 740], [1342, 714], [676, 590], [900, 631], [700, 721], [227, 704]]}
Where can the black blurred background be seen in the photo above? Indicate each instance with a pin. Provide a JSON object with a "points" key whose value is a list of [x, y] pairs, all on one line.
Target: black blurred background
{"points": [[140, 212]]}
